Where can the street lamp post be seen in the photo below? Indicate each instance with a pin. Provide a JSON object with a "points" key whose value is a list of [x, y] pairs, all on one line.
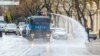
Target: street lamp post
{"points": [[99, 33]]}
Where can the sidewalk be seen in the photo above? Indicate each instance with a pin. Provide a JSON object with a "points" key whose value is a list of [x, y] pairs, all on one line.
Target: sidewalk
{"points": [[94, 47]]}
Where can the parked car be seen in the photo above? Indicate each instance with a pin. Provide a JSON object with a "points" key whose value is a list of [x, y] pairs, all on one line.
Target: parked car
{"points": [[2, 25], [52, 27], [21, 24], [92, 35], [11, 28], [59, 34], [22, 27]]}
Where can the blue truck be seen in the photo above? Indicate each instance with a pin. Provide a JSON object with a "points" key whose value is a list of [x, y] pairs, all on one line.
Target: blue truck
{"points": [[39, 23], [39, 27]]}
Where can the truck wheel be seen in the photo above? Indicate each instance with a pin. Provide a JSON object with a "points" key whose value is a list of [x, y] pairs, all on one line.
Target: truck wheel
{"points": [[5, 33], [15, 33]]}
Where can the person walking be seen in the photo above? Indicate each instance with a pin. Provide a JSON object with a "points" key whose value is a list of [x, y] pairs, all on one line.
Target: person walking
{"points": [[88, 30], [0, 33]]}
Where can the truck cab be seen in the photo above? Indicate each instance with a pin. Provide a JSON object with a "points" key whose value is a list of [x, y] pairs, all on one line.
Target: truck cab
{"points": [[39, 27]]}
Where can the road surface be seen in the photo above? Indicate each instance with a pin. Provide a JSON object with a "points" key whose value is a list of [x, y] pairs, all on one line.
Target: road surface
{"points": [[12, 45]]}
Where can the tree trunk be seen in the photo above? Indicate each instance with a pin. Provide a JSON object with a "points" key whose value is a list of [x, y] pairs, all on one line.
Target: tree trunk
{"points": [[91, 22]]}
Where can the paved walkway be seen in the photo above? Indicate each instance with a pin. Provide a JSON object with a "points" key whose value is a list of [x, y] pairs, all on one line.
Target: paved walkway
{"points": [[94, 47]]}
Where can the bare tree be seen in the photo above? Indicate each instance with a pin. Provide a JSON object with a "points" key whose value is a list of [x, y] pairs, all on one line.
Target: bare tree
{"points": [[1, 11], [48, 5], [26, 7]]}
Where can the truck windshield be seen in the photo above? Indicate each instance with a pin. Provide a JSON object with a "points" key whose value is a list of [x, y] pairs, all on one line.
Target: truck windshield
{"points": [[2, 22], [39, 21]]}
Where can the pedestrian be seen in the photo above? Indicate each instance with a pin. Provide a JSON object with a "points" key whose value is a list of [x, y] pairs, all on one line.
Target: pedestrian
{"points": [[24, 33], [0, 33], [88, 30]]}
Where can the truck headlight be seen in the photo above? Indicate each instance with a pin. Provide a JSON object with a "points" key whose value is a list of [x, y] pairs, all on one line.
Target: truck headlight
{"points": [[6, 29], [48, 35], [32, 35]]}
